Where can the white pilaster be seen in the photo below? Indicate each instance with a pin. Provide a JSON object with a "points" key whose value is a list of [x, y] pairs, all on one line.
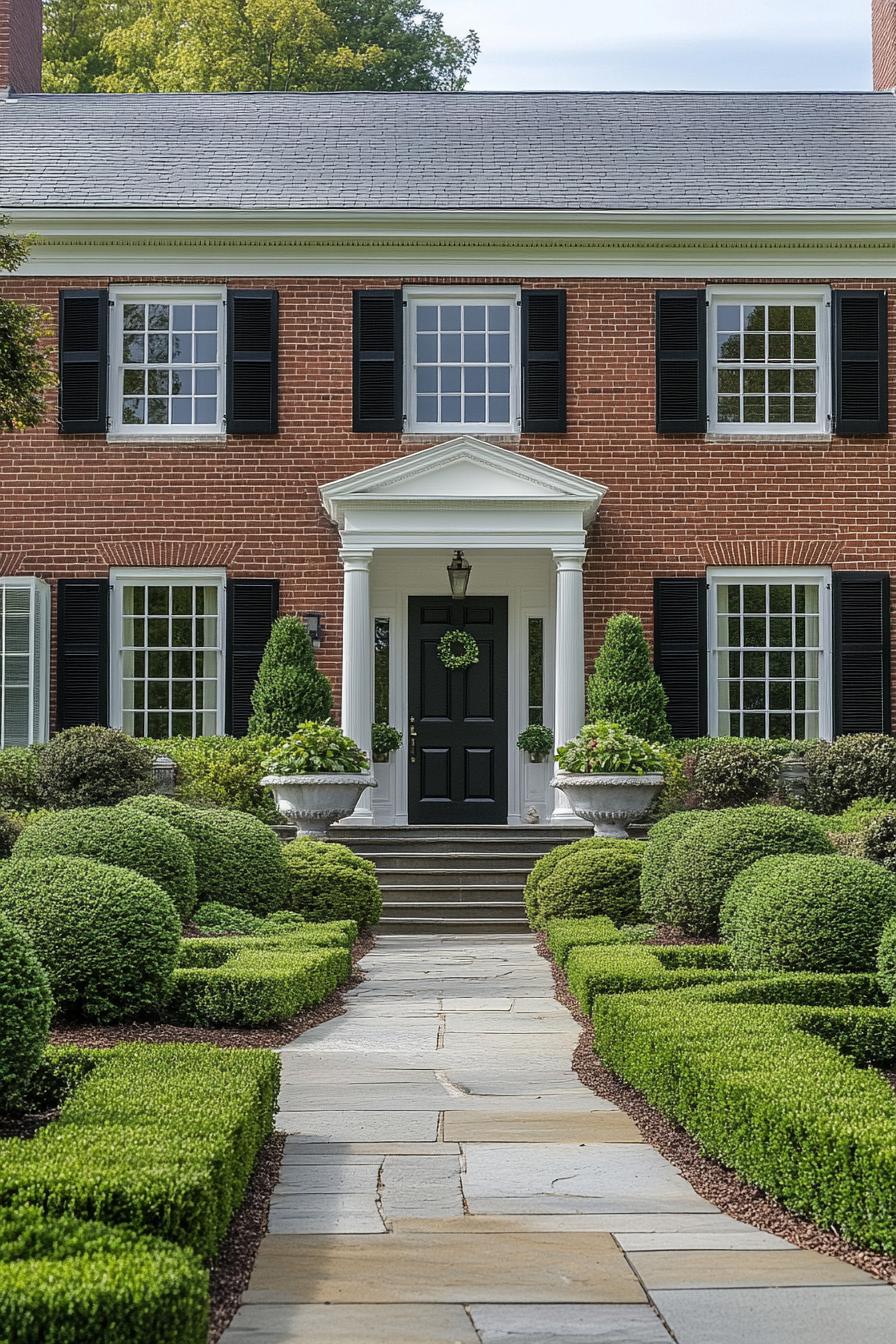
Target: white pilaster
{"points": [[357, 661], [569, 664]]}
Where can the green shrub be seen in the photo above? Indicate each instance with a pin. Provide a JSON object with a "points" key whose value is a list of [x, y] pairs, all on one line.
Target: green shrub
{"points": [[565, 934], [324, 885], [254, 982], [624, 688], [64, 1281], [733, 773], [661, 839], [706, 859], [604, 748], [158, 1138], [20, 789], [543, 868], [316, 748], [860, 816], [107, 937], [25, 1011], [880, 841], [760, 1090], [886, 961], [221, 772], [602, 880], [799, 987], [214, 917], [91, 766], [290, 688], [124, 837], [811, 912], [10, 830], [860, 765], [593, 971]]}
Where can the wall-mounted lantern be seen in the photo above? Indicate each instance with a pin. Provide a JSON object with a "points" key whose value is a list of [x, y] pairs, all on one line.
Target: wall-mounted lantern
{"points": [[314, 626], [459, 575]]}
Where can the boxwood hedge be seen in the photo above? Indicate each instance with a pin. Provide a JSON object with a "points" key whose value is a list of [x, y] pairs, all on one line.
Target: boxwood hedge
{"points": [[251, 982], [565, 934], [661, 840], [615, 969], [25, 1010], [603, 879], [328, 881]]}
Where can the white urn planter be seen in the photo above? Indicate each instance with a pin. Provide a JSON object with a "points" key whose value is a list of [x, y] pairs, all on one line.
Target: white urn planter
{"points": [[313, 802], [609, 802]]}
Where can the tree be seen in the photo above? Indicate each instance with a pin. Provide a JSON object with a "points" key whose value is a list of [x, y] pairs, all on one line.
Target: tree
{"points": [[170, 46], [290, 689], [624, 687], [25, 367]]}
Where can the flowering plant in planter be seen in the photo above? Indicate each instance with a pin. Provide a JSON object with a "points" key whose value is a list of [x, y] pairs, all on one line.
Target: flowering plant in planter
{"points": [[385, 739], [537, 740], [610, 776], [606, 749], [317, 775], [316, 749]]}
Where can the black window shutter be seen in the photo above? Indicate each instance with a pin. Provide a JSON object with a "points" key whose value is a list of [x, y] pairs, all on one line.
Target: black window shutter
{"points": [[377, 371], [82, 652], [251, 361], [861, 653], [860, 362], [251, 610], [679, 651], [83, 360], [544, 360], [681, 361]]}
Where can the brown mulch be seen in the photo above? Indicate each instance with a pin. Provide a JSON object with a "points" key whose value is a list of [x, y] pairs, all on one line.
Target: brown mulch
{"points": [[709, 1178], [669, 935], [165, 1033]]}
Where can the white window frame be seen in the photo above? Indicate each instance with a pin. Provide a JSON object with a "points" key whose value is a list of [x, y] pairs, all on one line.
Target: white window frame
{"points": [[820, 296], [773, 574], [414, 295], [38, 657], [119, 295], [120, 579]]}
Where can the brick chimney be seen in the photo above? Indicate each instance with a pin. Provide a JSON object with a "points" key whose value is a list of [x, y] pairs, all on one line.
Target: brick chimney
{"points": [[883, 43], [21, 45]]}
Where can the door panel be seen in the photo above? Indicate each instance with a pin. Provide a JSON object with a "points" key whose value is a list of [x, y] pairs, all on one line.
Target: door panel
{"points": [[458, 766]]}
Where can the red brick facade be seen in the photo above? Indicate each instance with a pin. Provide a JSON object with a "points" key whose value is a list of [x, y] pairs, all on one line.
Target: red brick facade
{"points": [[21, 45], [883, 41]]}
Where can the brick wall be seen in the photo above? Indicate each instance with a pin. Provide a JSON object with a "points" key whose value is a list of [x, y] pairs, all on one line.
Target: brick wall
{"points": [[883, 43], [73, 506], [21, 44]]}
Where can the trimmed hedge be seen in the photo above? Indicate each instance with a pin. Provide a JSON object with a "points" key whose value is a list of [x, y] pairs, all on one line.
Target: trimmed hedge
{"points": [[253, 982], [732, 773], [860, 815], [886, 961], [19, 786], [26, 1007], [327, 881], [760, 1090], [106, 936], [858, 765], [543, 868], [811, 912], [124, 837], [661, 840], [594, 971], [158, 1138], [564, 934], [90, 766], [601, 880], [65, 1281], [706, 859]]}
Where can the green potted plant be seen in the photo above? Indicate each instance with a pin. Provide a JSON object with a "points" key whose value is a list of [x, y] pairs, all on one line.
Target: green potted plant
{"points": [[317, 775], [385, 739], [537, 741], [610, 776]]}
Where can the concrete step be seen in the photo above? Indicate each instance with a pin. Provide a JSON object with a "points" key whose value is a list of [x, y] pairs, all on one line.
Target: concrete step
{"points": [[492, 927], [455, 909], [459, 862], [453, 896], [452, 876]]}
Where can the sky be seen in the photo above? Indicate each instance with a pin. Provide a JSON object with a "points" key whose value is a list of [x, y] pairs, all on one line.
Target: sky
{"points": [[667, 44]]}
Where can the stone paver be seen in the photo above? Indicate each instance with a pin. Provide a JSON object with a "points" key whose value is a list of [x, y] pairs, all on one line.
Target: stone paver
{"points": [[448, 1180]]}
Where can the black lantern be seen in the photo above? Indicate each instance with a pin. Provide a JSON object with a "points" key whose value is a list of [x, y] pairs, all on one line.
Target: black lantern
{"points": [[314, 626], [459, 575]]}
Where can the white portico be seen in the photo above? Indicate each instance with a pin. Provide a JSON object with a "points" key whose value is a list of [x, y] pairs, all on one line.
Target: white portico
{"points": [[522, 525]]}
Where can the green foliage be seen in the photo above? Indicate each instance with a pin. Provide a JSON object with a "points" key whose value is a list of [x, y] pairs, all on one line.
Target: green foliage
{"points": [[26, 367], [617, 969], [607, 749], [623, 688], [544, 867], [880, 840], [811, 912], [661, 840], [19, 784], [384, 739], [161, 1139], [327, 881], [215, 917], [860, 765], [732, 773], [860, 816], [107, 937], [316, 748], [536, 739], [123, 836], [65, 1281], [290, 689], [601, 880], [221, 772], [565, 934], [886, 961], [779, 747], [705, 860], [25, 1010], [253, 982], [91, 766], [10, 830]]}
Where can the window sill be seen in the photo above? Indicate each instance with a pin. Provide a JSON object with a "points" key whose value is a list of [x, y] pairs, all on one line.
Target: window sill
{"points": [[714, 436], [161, 440]]}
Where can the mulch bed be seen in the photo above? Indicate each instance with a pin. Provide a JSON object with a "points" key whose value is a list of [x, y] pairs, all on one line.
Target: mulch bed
{"points": [[709, 1178], [232, 1268], [668, 935]]}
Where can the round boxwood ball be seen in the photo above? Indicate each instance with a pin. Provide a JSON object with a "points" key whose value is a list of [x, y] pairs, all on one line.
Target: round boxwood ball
{"points": [[324, 885], [26, 1007], [90, 766], [107, 937], [661, 840], [706, 859], [120, 836], [808, 912], [542, 870], [886, 960], [603, 879], [239, 859]]}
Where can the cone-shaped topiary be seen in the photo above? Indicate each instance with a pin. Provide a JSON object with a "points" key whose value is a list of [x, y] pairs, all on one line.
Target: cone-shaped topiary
{"points": [[290, 689], [624, 687]]}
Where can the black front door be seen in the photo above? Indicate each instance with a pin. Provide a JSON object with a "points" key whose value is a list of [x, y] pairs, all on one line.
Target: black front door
{"points": [[457, 717]]}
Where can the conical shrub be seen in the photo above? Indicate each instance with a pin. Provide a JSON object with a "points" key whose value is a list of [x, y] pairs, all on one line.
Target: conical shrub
{"points": [[623, 687], [290, 688]]}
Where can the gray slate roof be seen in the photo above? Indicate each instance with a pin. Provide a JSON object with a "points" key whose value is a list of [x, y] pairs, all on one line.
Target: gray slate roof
{"points": [[567, 151]]}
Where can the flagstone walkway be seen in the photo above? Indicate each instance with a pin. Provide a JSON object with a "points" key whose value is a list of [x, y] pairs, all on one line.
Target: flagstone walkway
{"points": [[448, 1180]]}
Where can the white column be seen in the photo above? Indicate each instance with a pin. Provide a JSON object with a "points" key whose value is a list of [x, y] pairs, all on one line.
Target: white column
{"points": [[569, 662], [357, 661]]}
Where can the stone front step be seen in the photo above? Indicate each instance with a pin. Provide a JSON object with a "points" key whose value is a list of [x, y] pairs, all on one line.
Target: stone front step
{"points": [[451, 894], [452, 925], [449, 874]]}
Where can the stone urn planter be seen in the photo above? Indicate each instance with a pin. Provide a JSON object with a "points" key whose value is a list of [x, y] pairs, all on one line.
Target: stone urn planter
{"points": [[609, 802], [313, 802]]}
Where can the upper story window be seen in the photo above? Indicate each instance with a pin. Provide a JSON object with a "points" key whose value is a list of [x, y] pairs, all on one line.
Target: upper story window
{"points": [[769, 360], [167, 361], [463, 371]]}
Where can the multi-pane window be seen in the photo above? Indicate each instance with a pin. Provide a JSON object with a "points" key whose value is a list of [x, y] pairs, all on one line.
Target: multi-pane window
{"points": [[167, 360], [463, 361], [769, 655], [170, 652], [768, 360], [24, 662]]}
